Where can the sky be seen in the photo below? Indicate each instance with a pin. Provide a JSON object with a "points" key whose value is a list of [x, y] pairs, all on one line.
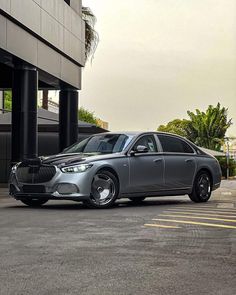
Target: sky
{"points": [[156, 59]]}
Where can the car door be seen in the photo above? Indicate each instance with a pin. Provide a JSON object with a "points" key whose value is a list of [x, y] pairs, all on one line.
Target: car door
{"points": [[180, 162], [146, 170]]}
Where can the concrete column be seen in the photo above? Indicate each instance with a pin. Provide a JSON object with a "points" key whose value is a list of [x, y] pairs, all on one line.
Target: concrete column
{"points": [[24, 113], [68, 117], [1, 101]]}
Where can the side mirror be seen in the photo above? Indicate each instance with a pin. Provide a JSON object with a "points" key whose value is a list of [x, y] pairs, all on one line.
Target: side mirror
{"points": [[140, 149]]}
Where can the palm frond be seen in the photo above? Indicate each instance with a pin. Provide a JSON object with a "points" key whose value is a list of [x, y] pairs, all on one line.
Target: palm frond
{"points": [[91, 35]]}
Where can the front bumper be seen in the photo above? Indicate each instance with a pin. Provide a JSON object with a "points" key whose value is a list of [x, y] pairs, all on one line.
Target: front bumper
{"points": [[78, 187]]}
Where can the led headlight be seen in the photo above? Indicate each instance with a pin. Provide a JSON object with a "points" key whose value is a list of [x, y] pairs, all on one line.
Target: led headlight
{"points": [[77, 168]]}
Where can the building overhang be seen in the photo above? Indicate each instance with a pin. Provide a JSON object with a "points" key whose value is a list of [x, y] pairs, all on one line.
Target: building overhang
{"points": [[52, 39]]}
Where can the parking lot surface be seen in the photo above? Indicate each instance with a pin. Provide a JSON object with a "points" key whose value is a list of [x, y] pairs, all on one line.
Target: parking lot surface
{"points": [[164, 246]]}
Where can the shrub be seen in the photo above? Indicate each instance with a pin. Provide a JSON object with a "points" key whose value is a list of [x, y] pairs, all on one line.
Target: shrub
{"points": [[223, 165]]}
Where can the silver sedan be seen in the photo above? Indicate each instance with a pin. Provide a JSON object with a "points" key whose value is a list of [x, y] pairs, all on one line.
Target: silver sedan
{"points": [[108, 166]]}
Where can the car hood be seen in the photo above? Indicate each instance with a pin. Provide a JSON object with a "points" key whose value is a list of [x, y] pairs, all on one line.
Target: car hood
{"points": [[70, 159]]}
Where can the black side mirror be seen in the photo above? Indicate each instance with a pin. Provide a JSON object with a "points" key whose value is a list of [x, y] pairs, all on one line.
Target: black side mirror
{"points": [[140, 149]]}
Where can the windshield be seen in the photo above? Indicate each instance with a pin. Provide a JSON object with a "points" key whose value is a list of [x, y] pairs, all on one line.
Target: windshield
{"points": [[101, 144]]}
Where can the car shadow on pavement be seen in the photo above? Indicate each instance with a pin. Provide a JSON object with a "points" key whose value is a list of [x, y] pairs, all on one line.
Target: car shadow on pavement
{"points": [[120, 204]]}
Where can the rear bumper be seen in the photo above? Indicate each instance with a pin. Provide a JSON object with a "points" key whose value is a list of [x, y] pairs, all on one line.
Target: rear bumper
{"points": [[216, 186]]}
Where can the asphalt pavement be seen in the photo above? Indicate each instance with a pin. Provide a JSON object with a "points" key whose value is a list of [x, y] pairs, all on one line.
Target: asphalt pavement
{"points": [[167, 245]]}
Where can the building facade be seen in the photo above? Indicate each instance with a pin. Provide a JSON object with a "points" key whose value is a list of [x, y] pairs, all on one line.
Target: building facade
{"points": [[42, 46]]}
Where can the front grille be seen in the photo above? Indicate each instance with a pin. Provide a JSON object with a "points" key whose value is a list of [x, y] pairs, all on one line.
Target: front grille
{"points": [[36, 174], [33, 189]]}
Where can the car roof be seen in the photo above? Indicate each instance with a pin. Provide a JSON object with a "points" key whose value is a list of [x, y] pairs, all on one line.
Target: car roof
{"points": [[136, 133]]}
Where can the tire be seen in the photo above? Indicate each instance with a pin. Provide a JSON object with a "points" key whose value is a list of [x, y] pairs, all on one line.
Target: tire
{"points": [[104, 190], [202, 188], [34, 202], [137, 200]]}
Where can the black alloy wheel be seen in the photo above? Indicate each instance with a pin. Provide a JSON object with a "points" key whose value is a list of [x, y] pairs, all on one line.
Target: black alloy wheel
{"points": [[202, 188], [104, 190]]}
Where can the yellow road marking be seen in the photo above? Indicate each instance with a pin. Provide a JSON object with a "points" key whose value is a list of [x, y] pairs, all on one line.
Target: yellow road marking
{"points": [[226, 205], [199, 211], [203, 214], [196, 223], [199, 217], [161, 225], [203, 208]]}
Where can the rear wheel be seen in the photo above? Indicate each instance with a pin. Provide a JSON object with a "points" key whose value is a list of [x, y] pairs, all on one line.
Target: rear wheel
{"points": [[137, 200], [104, 190], [34, 202], [202, 188]]}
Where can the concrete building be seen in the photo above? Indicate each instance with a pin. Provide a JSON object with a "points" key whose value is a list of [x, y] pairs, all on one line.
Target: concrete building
{"points": [[42, 46]]}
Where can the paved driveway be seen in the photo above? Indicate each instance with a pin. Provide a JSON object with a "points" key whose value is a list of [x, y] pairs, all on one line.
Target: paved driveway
{"points": [[166, 246]]}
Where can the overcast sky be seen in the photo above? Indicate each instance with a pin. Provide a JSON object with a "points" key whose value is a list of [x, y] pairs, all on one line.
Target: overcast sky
{"points": [[156, 59]]}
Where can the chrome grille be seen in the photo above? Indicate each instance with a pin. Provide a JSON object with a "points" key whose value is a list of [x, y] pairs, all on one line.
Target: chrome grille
{"points": [[40, 174]]}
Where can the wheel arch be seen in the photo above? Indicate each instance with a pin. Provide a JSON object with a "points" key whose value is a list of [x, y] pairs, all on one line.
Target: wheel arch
{"points": [[206, 169], [111, 170]]}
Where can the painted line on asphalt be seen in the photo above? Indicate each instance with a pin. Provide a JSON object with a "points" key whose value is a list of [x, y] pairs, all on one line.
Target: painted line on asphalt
{"points": [[209, 207], [225, 206], [224, 210], [206, 211], [203, 214], [161, 225], [226, 193], [196, 223], [198, 217]]}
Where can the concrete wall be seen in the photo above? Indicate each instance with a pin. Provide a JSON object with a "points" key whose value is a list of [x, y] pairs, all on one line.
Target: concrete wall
{"points": [[46, 33]]}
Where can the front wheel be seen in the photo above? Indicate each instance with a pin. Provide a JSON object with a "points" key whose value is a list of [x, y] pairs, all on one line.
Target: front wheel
{"points": [[34, 202], [104, 190], [202, 188]]}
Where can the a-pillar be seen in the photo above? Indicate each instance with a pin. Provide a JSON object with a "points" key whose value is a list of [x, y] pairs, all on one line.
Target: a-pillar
{"points": [[68, 117], [24, 113]]}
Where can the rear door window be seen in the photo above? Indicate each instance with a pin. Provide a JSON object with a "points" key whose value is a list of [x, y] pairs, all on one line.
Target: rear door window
{"points": [[173, 144]]}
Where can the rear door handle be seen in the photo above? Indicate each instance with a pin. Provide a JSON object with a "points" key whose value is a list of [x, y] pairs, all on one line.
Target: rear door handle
{"points": [[189, 160], [158, 160]]}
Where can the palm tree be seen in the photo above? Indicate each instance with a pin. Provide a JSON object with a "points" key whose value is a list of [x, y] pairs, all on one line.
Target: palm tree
{"points": [[91, 36], [210, 127]]}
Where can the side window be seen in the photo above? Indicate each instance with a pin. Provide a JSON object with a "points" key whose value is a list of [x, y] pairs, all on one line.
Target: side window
{"points": [[148, 141], [174, 145]]}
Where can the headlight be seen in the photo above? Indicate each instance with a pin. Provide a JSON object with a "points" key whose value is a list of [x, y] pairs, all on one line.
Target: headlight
{"points": [[14, 168], [76, 169]]}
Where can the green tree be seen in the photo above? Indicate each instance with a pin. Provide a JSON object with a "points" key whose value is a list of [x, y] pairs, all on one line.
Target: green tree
{"points": [[87, 116], [209, 127], [177, 126], [7, 100]]}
